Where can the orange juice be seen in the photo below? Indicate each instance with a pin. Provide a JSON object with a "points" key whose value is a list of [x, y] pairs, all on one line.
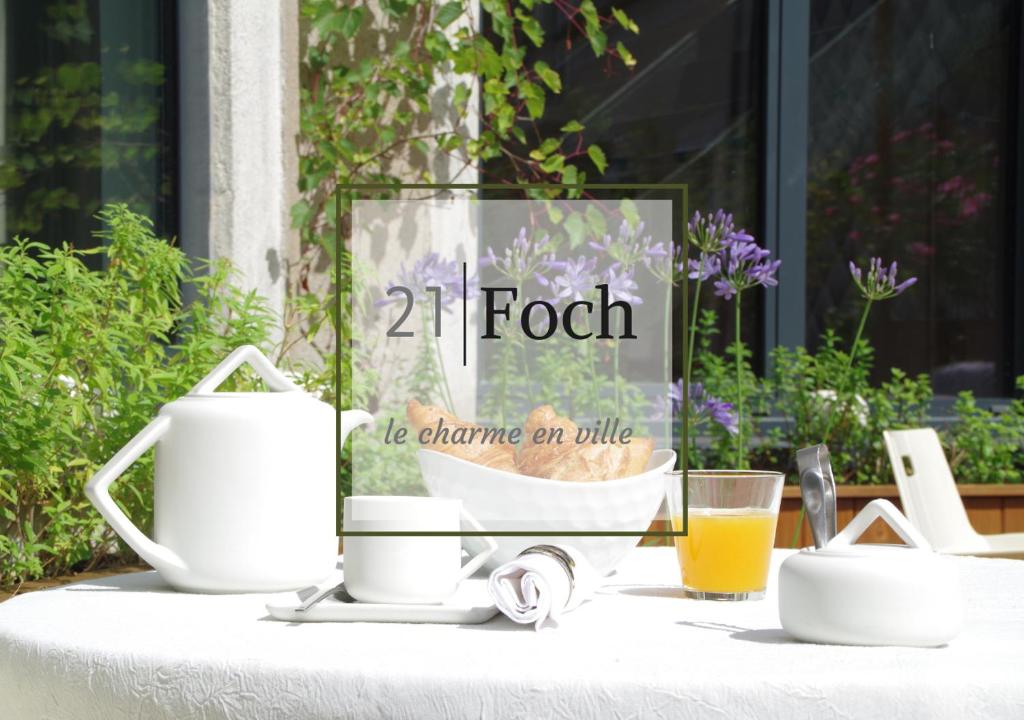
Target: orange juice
{"points": [[726, 550]]}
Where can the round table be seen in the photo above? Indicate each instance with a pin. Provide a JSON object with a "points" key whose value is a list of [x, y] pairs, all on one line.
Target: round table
{"points": [[129, 647]]}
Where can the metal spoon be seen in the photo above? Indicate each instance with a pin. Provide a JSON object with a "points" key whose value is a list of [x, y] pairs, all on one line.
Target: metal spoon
{"points": [[315, 598], [818, 489]]}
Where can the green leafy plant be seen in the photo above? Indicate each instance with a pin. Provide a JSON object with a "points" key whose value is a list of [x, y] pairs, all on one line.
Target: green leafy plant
{"points": [[86, 359], [807, 390], [986, 447], [372, 86]]}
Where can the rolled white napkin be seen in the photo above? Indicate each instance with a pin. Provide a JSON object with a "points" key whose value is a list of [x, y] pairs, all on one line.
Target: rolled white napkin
{"points": [[543, 583]]}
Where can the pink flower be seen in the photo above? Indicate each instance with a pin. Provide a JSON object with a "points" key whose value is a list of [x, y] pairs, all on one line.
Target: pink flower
{"points": [[950, 186], [855, 199], [830, 211], [900, 136], [871, 159], [875, 209], [922, 249], [894, 217], [853, 235], [972, 204]]}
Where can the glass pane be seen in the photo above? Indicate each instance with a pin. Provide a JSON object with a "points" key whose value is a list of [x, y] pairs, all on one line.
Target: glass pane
{"points": [[690, 111], [89, 108], [908, 161]]}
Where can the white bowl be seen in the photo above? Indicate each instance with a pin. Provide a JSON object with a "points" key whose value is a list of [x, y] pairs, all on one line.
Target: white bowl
{"points": [[510, 502]]}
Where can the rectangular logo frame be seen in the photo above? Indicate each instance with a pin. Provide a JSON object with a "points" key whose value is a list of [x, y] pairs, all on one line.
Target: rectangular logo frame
{"points": [[351, 189]]}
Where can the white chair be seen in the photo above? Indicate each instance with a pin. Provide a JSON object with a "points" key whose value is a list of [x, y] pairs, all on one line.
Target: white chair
{"points": [[931, 501]]}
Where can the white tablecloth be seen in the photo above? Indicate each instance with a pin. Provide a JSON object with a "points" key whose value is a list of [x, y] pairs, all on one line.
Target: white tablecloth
{"points": [[128, 647]]}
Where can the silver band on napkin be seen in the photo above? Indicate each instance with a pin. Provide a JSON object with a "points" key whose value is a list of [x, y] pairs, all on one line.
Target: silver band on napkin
{"points": [[560, 556]]}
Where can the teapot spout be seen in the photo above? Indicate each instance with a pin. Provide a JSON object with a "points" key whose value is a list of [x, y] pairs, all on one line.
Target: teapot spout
{"points": [[349, 420]]}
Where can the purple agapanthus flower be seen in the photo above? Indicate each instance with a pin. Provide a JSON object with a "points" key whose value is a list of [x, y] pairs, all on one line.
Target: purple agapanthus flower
{"points": [[744, 264], [633, 247], [523, 259], [621, 285], [576, 278], [880, 283], [706, 267], [433, 271], [703, 406], [710, 233]]}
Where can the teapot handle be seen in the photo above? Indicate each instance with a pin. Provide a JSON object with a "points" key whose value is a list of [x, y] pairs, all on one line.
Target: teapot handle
{"points": [[275, 379], [892, 517], [96, 490]]}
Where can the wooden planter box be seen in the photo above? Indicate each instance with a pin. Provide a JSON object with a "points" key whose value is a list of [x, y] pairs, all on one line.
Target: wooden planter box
{"points": [[990, 508]]}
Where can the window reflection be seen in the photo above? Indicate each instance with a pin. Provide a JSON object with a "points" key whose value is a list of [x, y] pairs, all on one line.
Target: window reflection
{"points": [[907, 160], [88, 115]]}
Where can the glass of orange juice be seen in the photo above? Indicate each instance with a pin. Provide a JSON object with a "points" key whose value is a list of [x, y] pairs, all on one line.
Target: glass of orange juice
{"points": [[731, 531]]}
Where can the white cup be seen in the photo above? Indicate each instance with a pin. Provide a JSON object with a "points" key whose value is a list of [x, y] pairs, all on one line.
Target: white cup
{"points": [[410, 569]]}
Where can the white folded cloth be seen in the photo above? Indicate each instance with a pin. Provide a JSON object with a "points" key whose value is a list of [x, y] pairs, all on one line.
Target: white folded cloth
{"points": [[541, 584]]}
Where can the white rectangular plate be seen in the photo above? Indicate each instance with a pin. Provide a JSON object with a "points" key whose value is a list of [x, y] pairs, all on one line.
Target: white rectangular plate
{"points": [[470, 605]]}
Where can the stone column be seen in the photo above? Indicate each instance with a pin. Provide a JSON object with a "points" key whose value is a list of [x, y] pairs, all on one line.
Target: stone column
{"points": [[239, 105]]}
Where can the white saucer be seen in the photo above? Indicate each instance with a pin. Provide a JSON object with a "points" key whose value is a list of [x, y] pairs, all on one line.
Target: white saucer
{"points": [[471, 604]]}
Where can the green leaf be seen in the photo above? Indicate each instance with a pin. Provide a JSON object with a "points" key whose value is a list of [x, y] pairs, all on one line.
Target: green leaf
{"points": [[12, 375], [575, 229], [596, 220], [549, 76], [572, 126], [555, 214], [553, 164], [569, 175], [529, 26], [535, 107], [629, 211], [448, 13], [625, 21], [352, 21], [596, 155], [549, 146], [589, 12], [461, 97], [627, 57], [344, 20]]}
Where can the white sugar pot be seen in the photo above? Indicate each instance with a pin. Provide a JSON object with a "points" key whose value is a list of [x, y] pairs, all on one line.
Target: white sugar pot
{"points": [[244, 487], [870, 594]]}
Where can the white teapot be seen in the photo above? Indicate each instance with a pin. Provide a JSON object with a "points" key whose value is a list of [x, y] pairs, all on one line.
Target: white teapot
{"points": [[867, 594], [244, 487]]}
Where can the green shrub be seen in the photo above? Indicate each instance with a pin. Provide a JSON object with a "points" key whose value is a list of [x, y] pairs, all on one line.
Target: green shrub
{"points": [[818, 398], [985, 447], [86, 359], [805, 398]]}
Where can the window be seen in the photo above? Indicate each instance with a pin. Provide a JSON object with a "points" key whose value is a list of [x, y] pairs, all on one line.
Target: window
{"points": [[911, 157], [838, 130], [89, 115]]}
